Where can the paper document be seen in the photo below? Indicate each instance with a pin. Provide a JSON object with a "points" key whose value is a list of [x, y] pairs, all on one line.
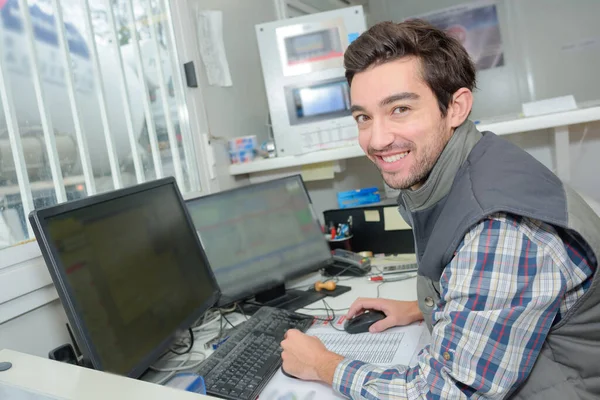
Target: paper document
{"points": [[374, 349], [212, 47], [396, 346], [393, 221], [317, 172]]}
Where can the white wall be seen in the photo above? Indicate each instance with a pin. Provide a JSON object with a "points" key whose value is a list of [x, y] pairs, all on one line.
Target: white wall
{"points": [[502, 90], [359, 173], [31, 318], [241, 109], [36, 332]]}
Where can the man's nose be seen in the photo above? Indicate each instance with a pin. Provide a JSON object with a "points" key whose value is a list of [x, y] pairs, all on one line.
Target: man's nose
{"points": [[381, 134]]}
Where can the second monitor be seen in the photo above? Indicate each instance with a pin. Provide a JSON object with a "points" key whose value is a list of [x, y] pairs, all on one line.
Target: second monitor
{"points": [[259, 236]]}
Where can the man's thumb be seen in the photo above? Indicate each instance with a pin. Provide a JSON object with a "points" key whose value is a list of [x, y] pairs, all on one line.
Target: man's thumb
{"points": [[382, 325]]}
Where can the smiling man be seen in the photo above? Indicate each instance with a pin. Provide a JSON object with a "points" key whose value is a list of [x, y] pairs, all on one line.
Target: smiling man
{"points": [[507, 253]]}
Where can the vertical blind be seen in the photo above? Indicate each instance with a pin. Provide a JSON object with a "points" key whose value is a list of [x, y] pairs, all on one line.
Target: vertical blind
{"points": [[91, 95]]}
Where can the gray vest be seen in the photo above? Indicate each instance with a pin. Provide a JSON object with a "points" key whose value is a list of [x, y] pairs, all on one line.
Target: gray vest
{"points": [[479, 175]]}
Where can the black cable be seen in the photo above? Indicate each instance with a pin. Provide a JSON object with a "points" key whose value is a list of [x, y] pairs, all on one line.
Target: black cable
{"points": [[241, 310], [378, 286], [191, 345], [333, 317], [223, 315], [324, 309]]}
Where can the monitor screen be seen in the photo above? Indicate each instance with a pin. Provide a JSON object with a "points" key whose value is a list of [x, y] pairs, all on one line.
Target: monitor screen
{"points": [[318, 101], [258, 236], [313, 46], [130, 272]]}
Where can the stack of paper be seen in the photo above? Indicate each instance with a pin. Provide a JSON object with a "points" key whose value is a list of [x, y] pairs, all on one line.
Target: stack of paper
{"points": [[396, 346]]}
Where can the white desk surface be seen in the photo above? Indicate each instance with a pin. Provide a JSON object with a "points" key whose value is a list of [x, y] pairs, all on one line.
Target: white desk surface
{"points": [[64, 381], [53, 379]]}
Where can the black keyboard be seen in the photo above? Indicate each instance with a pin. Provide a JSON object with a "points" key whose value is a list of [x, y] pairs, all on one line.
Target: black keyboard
{"points": [[242, 366]]}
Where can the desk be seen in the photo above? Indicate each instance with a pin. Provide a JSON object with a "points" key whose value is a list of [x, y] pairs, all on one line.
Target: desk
{"points": [[361, 287], [64, 381], [49, 379]]}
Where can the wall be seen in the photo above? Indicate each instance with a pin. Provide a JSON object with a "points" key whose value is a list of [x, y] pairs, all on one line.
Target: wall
{"points": [[36, 332], [31, 318], [241, 109], [359, 173], [501, 90]]}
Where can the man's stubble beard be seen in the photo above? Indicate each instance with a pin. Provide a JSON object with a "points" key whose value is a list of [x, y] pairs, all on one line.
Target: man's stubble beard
{"points": [[425, 160]]}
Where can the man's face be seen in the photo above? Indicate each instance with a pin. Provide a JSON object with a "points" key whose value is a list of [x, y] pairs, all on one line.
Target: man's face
{"points": [[401, 128]]}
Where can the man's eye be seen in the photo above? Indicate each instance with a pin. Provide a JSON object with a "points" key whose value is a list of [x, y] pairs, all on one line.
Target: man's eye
{"points": [[361, 118], [400, 110]]}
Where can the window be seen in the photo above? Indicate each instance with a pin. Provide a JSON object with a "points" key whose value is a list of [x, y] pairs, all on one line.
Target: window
{"points": [[90, 101]]}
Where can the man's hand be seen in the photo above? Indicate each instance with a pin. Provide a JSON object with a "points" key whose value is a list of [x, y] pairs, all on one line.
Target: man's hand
{"points": [[398, 313], [306, 357]]}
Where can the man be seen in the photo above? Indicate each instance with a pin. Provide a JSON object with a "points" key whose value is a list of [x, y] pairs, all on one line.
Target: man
{"points": [[507, 254]]}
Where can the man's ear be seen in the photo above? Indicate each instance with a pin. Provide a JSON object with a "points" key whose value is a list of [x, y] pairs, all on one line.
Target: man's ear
{"points": [[460, 107]]}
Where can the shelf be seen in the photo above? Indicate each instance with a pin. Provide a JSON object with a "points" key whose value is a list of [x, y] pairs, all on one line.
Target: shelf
{"points": [[506, 127], [339, 153]]}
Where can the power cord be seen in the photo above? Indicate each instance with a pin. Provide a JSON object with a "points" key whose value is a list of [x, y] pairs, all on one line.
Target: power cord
{"points": [[242, 311], [191, 344], [181, 367], [378, 286], [226, 319]]}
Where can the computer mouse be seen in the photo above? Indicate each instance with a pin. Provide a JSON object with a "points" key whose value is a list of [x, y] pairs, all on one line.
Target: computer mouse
{"points": [[362, 322]]}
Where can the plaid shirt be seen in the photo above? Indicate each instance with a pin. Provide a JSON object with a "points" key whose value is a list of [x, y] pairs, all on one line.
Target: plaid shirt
{"points": [[511, 279]]}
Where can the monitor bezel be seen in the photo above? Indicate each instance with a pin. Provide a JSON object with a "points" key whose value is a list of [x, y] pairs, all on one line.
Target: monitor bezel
{"points": [[38, 219], [270, 284]]}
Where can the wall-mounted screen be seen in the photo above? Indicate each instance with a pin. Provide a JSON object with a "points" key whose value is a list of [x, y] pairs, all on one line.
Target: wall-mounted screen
{"points": [[313, 46], [319, 101]]}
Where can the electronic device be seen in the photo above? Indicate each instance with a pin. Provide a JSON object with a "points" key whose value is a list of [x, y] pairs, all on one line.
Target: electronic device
{"points": [[400, 268], [64, 353], [241, 367], [308, 95], [259, 236], [129, 270], [348, 263], [362, 322]]}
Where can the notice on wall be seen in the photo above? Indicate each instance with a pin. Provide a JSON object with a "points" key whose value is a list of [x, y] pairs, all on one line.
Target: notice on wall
{"points": [[212, 47], [393, 221], [476, 27]]}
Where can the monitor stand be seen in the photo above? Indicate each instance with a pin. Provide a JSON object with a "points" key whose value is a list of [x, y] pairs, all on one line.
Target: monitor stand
{"points": [[279, 297]]}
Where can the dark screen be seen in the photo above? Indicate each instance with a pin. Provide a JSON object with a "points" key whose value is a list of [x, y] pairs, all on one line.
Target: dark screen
{"points": [[134, 270], [259, 234]]}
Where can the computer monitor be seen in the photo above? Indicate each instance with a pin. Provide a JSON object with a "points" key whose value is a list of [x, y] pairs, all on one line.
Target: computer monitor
{"points": [[259, 236], [129, 270]]}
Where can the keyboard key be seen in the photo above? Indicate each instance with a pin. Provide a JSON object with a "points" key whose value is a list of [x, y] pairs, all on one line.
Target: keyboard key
{"points": [[251, 355]]}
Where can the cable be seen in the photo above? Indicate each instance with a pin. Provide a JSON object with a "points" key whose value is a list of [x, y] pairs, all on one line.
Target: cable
{"points": [[226, 319], [378, 286], [228, 310], [242, 311], [181, 367], [333, 317], [190, 345], [324, 309]]}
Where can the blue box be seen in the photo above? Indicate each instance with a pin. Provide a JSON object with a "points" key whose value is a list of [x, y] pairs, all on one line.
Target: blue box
{"points": [[358, 197]]}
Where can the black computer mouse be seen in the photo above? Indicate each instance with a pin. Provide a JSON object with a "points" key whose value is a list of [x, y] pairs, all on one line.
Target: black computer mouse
{"points": [[362, 322]]}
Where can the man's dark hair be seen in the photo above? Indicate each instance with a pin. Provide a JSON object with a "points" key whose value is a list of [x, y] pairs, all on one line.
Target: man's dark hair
{"points": [[445, 64]]}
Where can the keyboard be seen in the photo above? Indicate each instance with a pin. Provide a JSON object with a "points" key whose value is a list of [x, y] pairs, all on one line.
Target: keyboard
{"points": [[241, 367]]}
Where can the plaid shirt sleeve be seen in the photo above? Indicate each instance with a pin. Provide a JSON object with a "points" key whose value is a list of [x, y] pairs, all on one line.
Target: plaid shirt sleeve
{"points": [[506, 286]]}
